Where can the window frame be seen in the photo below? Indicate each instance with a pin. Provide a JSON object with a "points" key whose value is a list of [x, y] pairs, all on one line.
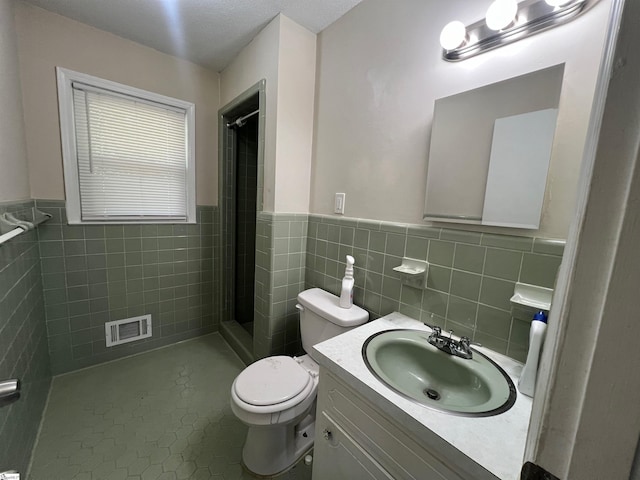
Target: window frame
{"points": [[65, 79]]}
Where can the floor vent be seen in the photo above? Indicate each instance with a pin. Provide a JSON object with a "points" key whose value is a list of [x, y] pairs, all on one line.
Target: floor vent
{"points": [[127, 330]]}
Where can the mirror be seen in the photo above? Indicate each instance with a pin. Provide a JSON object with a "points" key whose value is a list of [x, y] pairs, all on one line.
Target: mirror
{"points": [[490, 152]]}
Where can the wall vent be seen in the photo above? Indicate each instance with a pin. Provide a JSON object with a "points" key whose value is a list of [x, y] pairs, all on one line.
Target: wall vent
{"points": [[127, 330]]}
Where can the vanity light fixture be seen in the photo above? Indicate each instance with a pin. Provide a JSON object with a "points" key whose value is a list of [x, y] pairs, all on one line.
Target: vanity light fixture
{"points": [[453, 35], [502, 14], [506, 22]]}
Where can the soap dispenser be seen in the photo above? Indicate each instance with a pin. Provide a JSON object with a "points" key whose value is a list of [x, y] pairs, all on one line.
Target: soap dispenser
{"points": [[527, 382], [346, 295]]}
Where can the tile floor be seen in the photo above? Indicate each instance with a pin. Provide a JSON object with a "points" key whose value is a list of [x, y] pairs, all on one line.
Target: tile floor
{"points": [[160, 415]]}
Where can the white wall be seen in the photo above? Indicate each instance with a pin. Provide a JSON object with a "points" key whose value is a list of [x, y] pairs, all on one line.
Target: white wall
{"points": [[379, 73], [296, 93], [47, 40], [257, 61], [14, 175], [284, 54]]}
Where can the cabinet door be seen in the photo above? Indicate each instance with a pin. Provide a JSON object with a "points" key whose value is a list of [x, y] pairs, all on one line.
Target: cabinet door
{"points": [[385, 441], [338, 456]]}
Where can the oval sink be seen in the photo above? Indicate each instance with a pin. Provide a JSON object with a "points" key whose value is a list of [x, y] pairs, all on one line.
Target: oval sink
{"points": [[405, 362]]}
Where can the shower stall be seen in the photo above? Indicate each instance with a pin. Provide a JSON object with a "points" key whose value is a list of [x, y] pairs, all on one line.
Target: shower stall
{"points": [[241, 150], [246, 166]]}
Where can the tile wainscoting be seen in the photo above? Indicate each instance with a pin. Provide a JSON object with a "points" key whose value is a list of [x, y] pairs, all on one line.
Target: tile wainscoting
{"points": [[94, 274], [281, 244], [97, 273], [471, 275], [23, 342]]}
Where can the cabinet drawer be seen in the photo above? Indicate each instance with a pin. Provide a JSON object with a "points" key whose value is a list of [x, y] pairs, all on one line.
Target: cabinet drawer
{"points": [[397, 452]]}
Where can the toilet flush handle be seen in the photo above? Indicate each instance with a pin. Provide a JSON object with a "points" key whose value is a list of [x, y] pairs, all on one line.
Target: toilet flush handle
{"points": [[299, 307]]}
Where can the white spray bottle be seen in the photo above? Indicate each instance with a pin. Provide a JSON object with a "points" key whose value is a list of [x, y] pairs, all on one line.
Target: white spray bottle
{"points": [[346, 295], [527, 383]]}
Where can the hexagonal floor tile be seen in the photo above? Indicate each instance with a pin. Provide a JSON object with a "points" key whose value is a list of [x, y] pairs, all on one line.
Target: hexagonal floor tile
{"points": [[161, 415]]}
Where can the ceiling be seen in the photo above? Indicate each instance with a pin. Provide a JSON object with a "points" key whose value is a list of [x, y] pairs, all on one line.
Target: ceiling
{"points": [[207, 32]]}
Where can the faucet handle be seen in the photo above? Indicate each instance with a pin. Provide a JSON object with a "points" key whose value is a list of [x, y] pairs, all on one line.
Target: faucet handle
{"points": [[436, 330], [464, 345], [469, 342], [462, 348]]}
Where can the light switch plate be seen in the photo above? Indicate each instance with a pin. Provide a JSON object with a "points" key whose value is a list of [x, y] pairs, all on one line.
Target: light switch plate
{"points": [[339, 203]]}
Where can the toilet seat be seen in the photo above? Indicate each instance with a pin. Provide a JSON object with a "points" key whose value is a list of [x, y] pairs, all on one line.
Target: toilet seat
{"points": [[272, 384]]}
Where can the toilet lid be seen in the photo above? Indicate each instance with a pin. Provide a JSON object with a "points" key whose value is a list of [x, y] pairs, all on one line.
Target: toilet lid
{"points": [[271, 380]]}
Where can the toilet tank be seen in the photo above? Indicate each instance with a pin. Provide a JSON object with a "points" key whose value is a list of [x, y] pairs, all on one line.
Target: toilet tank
{"points": [[322, 318]]}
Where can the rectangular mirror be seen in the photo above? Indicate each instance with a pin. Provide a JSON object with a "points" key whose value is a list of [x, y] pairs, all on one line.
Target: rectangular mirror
{"points": [[490, 151]]}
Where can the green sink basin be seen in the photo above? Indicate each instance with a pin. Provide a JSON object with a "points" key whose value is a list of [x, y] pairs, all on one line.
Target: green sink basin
{"points": [[405, 362]]}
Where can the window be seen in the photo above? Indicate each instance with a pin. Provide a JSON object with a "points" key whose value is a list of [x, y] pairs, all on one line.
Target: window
{"points": [[128, 154]]}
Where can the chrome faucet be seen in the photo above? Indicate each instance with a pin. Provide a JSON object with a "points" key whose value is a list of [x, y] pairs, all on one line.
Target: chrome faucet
{"points": [[460, 348]]}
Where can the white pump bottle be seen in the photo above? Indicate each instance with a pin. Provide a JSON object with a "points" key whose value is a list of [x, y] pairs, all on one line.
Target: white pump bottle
{"points": [[346, 295], [527, 382]]}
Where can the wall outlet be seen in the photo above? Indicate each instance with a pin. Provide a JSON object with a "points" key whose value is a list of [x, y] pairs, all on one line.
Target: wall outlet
{"points": [[339, 203]]}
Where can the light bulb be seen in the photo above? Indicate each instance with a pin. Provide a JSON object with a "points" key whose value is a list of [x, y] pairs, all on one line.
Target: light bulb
{"points": [[453, 35], [558, 3], [501, 14]]}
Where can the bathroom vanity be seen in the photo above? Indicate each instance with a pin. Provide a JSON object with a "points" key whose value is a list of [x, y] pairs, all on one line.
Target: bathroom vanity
{"points": [[366, 430]]}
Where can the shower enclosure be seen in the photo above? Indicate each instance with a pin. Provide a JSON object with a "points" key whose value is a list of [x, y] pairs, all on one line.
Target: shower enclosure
{"points": [[241, 149], [245, 218]]}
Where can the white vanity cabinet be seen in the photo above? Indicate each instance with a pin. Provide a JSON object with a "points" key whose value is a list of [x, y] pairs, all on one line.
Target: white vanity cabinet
{"points": [[355, 440]]}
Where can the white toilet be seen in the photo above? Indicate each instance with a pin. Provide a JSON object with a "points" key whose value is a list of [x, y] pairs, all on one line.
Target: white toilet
{"points": [[276, 396]]}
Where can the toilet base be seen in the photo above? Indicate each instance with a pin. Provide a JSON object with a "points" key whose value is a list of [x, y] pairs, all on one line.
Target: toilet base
{"points": [[272, 451]]}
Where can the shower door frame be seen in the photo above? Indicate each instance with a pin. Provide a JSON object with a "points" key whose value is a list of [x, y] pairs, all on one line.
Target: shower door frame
{"points": [[225, 248]]}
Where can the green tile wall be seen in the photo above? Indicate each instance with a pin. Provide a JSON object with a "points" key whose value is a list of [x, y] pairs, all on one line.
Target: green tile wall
{"points": [[263, 285], [245, 220], [471, 275], [225, 250], [23, 343], [281, 245], [93, 274]]}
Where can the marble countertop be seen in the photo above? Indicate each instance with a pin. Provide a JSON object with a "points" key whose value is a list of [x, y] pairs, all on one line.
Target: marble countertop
{"points": [[496, 443]]}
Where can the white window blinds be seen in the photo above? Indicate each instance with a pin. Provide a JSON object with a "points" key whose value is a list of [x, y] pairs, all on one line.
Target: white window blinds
{"points": [[132, 157]]}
